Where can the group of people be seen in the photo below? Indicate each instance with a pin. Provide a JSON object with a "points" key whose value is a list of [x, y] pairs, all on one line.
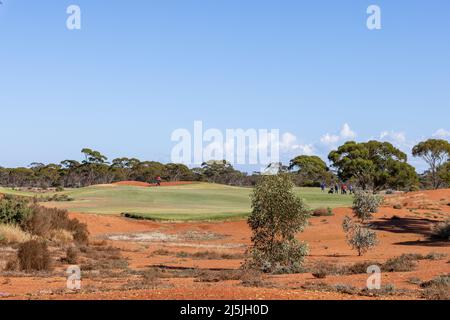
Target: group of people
{"points": [[336, 189]]}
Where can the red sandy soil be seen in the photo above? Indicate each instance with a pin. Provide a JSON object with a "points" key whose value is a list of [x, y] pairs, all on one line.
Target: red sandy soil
{"points": [[407, 233], [145, 184]]}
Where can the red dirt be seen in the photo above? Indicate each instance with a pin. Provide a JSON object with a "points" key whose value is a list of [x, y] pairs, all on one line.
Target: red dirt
{"points": [[145, 184], [407, 233]]}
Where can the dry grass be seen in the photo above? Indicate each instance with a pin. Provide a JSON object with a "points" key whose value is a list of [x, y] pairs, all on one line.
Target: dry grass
{"points": [[13, 234], [437, 289], [33, 255], [217, 276], [403, 263], [61, 236]]}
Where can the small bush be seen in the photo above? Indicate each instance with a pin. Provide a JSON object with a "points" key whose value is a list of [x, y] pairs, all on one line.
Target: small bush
{"points": [[437, 289], [402, 263], [33, 255], [322, 269], [385, 290], [161, 252], [61, 236], [79, 231], [323, 212], [45, 220], [217, 276], [71, 256], [253, 278], [360, 267], [13, 210], [365, 205], [13, 234], [398, 206], [208, 255], [442, 230]]}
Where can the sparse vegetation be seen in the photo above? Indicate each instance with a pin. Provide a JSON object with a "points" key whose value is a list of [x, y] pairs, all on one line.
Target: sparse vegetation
{"points": [[437, 288]]}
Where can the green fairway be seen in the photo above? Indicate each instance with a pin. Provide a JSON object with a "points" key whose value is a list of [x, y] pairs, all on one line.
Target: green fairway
{"points": [[199, 201]]}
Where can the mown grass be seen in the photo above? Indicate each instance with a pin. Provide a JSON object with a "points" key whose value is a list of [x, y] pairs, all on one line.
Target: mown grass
{"points": [[200, 201]]}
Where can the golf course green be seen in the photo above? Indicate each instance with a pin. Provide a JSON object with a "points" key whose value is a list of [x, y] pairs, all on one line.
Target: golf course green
{"points": [[199, 201]]}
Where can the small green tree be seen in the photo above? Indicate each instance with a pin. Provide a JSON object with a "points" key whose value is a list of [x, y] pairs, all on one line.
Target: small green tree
{"points": [[359, 237], [435, 152], [278, 215], [365, 204]]}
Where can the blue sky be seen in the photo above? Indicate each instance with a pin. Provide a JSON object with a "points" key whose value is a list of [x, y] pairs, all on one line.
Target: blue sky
{"points": [[137, 70]]}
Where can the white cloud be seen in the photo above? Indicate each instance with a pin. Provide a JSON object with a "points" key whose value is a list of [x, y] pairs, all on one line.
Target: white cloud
{"points": [[395, 137], [288, 143], [331, 140], [442, 133], [347, 133]]}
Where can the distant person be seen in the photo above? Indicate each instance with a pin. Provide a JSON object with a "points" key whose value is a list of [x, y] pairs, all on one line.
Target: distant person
{"points": [[350, 188], [323, 186], [344, 189], [336, 188], [158, 181]]}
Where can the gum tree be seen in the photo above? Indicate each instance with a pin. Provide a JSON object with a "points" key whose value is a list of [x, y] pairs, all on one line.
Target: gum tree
{"points": [[435, 152], [278, 215]]}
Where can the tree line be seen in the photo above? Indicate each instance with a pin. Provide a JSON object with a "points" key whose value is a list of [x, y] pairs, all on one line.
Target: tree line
{"points": [[368, 165]]}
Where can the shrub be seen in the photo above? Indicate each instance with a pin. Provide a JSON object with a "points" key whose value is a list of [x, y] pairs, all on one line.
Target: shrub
{"points": [[323, 212], [402, 263], [322, 269], [442, 230], [79, 231], [278, 215], [33, 255], [437, 289], [360, 267], [61, 236], [253, 278], [71, 256], [13, 210], [365, 205], [217, 276], [398, 206], [359, 237], [45, 220], [13, 234]]}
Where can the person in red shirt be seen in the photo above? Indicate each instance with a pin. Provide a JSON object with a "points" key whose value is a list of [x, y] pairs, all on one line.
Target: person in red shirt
{"points": [[158, 181]]}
